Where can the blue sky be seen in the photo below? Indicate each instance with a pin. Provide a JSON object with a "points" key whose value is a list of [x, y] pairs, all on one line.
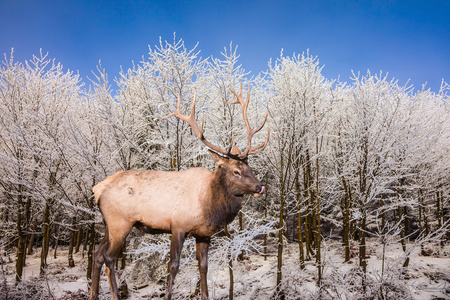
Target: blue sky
{"points": [[407, 39]]}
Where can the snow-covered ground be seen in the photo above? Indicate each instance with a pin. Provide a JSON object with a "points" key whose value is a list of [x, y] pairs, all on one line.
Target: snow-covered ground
{"points": [[428, 277]]}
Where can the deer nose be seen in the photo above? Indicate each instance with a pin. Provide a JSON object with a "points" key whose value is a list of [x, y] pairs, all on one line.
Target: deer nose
{"points": [[261, 189]]}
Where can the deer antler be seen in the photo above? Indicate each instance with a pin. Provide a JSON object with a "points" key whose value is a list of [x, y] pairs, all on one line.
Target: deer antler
{"points": [[250, 132], [199, 131], [193, 123]]}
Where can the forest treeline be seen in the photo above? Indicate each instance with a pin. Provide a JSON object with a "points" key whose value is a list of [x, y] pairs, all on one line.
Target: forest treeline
{"points": [[348, 161]]}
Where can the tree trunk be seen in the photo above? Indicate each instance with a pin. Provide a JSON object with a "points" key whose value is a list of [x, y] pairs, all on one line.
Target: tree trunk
{"points": [[230, 269], [31, 240], [280, 230], [90, 252], [318, 231], [27, 228], [71, 242], [402, 217], [2, 215], [265, 222], [347, 225], [440, 212], [286, 222], [309, 211], [241, 229], [91, 236], [364, 192], [21, 240], [45, 238], [362, 250], [78, 242], [8, 243], [57, 233], [421, 217], [86, 240], [299, 223]]}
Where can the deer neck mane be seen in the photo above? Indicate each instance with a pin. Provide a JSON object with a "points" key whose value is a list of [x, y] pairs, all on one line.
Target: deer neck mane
{"points": [[224, 206]]}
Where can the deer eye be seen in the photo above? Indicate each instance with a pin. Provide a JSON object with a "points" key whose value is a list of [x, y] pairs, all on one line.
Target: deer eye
{"points": [[237, 173]]}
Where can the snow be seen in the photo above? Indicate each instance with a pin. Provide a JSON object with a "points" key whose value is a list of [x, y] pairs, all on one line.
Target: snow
{"points": [[428, 277]]}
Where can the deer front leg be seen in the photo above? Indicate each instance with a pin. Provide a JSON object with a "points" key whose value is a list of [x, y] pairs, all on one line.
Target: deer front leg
{"points": [[202, 258], [176, 246]]}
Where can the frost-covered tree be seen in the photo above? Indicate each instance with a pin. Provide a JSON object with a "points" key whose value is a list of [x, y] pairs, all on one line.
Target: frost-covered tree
{"points": [[35, 99], [374, 113], [150, 90], [298, 102], [376, 150]]}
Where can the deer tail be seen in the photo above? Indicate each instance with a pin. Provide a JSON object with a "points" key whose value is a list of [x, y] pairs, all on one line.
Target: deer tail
{"points": [[98, 190]]}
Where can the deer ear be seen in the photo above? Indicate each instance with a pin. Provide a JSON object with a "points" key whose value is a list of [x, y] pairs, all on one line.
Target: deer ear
{"points": [[219, 160]]}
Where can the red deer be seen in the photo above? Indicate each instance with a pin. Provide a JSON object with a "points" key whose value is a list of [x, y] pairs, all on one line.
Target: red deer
{"points": [[195, 202]]}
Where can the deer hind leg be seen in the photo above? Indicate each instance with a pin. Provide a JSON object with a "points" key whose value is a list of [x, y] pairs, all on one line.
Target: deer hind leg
{"points": [[97, 265], [176, 245], [116, 240]]}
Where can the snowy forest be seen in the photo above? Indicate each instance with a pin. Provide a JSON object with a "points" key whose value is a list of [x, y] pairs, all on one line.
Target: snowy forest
{"points": [[353, 169]]}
